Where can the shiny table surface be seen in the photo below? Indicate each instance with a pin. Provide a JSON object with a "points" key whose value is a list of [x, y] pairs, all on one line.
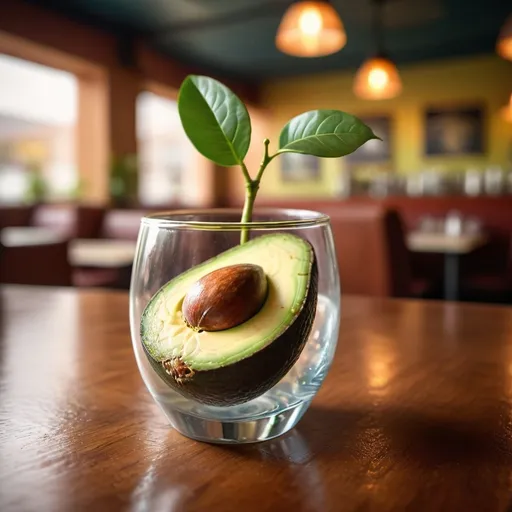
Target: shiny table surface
{"points": [[416, 414]]}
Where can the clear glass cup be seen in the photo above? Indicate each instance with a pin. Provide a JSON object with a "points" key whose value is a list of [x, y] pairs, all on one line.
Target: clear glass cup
{"points": [[171, 243]]}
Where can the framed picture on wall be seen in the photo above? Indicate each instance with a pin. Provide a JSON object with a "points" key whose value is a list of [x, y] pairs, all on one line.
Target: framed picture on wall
{"points": [[374, 151], [299, 168], [454, 130]]}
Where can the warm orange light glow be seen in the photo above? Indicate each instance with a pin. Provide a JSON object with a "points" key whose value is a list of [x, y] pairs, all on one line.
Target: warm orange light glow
{"points": [[310, 29], [310, 22], [377, 79], [506, 112], [504, 43]]}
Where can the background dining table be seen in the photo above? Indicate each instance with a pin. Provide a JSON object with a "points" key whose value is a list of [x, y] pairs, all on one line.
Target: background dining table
{"points": [[415, 414], [453, 247], [101, 253]]}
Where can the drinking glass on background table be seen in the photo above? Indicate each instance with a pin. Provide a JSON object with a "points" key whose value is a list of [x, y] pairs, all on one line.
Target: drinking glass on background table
{"points": [[427, 224], [454, 223], [494, 180], [472, 226], [473, 180], [431, 224]]}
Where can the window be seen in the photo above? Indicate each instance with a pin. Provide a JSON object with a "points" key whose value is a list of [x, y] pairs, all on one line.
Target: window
{"points": [[38, 112], [164, 151]]}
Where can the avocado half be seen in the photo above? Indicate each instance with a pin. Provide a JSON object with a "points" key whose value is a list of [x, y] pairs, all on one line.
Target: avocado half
{"points": [[233, 366]]}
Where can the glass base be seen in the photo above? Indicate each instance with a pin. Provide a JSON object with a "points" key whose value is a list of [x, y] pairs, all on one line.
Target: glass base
{"points": [[237, 432]]}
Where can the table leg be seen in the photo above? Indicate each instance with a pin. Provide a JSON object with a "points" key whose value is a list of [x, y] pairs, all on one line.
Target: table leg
{"points": [[451, 276]]}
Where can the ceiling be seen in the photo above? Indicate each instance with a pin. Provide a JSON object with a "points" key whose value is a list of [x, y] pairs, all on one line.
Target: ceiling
{"points": [[235, 38]]}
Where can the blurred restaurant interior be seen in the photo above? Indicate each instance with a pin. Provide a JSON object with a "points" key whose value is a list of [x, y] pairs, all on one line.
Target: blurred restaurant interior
{"points": [[91, 140]]}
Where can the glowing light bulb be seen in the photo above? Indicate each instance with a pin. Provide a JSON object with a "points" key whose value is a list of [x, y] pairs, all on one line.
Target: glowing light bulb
{"points": [[378, 78], [504, 42], [506, 111], [310, 22], [310, 28]]}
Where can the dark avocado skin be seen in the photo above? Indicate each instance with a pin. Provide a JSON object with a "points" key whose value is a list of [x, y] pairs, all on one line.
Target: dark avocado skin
{"points": [[254, 375]]}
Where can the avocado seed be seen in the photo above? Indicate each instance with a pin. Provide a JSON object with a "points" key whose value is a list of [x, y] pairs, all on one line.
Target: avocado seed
{"points": [[225, 298]]}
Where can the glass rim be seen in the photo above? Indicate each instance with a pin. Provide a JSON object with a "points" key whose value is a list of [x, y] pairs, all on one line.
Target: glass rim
{"points": [[305, 218]]}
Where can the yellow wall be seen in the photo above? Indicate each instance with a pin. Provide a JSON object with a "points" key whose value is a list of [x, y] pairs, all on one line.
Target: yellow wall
{"points": [[483, 79]]}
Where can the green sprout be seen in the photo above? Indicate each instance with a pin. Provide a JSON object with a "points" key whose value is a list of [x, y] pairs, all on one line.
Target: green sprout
{"points": [[219, 126]]}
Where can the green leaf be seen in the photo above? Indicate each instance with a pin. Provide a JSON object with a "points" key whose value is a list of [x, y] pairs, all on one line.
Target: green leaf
{"points": [[324, 133], [214, 119]]}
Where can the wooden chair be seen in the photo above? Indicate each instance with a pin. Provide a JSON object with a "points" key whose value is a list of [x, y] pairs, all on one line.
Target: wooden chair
{"points": [[70, 220], [45, 265], [490, 285], [122, 224], [61, 218]]}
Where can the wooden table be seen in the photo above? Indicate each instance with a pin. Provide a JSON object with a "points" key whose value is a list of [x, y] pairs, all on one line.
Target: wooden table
{"points": [[453, 247], [416, 414], [102, 253], [28, 235]]}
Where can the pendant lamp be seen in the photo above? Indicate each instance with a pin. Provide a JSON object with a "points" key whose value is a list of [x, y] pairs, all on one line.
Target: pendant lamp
{"points": [[378, 77], [506, 111], [311, 29], [504, 43]]}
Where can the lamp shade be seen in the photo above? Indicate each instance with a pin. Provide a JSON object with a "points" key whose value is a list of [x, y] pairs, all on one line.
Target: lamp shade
{"points": [[310, 29], [504, 43], [506, 111], [377, 79]]}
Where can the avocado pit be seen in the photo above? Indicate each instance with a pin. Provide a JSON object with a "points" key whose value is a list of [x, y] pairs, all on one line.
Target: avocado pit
{"points": [[225, 298]]}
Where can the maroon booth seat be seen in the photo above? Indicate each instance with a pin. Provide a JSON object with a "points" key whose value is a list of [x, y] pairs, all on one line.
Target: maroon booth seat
{"points": [[45, 264], [100, 278], [495, 214], [62, 219], [486, 265], [372, 255], [122, 224], [15, 216], [90, 221], [70, 220], [370, 241], [117, 224]]}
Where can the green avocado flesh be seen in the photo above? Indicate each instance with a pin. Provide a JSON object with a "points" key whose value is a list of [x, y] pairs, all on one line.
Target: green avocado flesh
{"points": [[236, 365]]}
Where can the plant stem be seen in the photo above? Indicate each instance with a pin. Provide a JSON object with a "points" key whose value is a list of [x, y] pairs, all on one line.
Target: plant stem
{"points": [[245, 172], [251, 189], [265, 161]]}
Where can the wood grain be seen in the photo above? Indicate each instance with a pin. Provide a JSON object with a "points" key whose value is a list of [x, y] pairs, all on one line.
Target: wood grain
{"points": [[416, 414]]}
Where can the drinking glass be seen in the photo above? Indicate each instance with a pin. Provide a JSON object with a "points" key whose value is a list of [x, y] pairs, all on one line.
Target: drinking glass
{"points": [[173, 242]]}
